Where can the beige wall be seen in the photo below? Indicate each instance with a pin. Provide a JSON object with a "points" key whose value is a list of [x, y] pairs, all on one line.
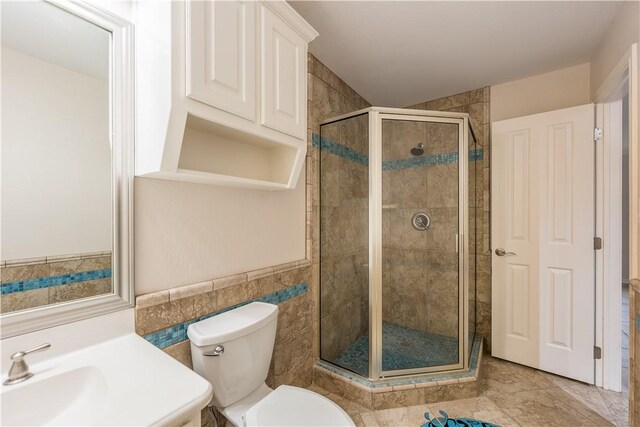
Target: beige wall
{"points": [[563, 88], [622, 33], [187, 233], [56, 169], [571, 86]]}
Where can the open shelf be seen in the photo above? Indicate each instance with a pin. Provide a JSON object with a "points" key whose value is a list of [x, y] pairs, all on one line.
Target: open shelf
{"points": [[214, 153]]}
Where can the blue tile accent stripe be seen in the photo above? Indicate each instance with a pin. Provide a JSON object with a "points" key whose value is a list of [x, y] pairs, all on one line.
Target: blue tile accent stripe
{"points": [[178, 333], [404, 348], [48, 282], [386, 382], [437, 159], [338, 149], [345, 152]]}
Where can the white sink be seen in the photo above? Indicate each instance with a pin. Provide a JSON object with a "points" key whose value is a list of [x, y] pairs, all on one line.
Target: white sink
{"points": [[56, 400], [124, 381]]}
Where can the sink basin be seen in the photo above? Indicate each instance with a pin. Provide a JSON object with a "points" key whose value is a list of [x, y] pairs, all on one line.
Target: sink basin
{"points": [[125, 381], [55, 400]]}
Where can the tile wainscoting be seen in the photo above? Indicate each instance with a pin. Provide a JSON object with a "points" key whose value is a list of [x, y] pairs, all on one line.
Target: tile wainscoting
{"points": [[634, 352], [35, 282], [178, 333], [162, 317]]}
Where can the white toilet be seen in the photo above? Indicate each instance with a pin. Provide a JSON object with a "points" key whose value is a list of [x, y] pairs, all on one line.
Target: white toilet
{"points": [[233, 351]]}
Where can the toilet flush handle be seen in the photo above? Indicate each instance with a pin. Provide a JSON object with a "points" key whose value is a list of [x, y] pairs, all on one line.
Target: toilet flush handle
{"points": [[217, 351]]}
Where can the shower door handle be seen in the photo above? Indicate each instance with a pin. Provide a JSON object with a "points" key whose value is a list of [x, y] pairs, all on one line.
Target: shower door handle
{"points": [[501, 252]]}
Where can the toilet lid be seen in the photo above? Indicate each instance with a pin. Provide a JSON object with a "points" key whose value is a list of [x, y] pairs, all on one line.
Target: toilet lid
{"points": [[293, 406]]}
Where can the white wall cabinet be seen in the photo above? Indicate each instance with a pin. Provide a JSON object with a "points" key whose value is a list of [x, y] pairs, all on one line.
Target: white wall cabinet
{"points": [[221, 55], [283, 59], [232, 109]]}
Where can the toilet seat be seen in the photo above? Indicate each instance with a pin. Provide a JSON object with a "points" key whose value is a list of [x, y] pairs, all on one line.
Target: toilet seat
{"points": [[294, 406]]}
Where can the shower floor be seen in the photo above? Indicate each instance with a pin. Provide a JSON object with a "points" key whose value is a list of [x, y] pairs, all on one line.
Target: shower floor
{"points": [[402, 348]]}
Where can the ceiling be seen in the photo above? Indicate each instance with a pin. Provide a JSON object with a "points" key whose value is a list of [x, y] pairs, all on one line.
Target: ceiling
{"points": [[51, 34], [400, 53]]}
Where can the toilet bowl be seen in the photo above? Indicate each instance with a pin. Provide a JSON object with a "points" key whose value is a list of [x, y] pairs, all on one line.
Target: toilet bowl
{"points": [[233, 352]]}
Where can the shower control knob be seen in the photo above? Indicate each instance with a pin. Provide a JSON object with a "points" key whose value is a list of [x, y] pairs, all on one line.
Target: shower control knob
{"points": [[421, 221]]}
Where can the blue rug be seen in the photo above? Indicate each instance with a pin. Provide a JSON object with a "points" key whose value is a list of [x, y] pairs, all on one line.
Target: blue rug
{"points": [[402, 348], [445, 421]]}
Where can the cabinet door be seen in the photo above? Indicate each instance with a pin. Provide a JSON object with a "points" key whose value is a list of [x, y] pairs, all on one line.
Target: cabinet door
{"points": [[221, 55], [283, 76]]}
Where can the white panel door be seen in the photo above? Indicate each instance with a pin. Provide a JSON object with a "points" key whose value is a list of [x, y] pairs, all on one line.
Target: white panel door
{"points": [[221, 55], [514, 224], [543, 211], [284, 58]]}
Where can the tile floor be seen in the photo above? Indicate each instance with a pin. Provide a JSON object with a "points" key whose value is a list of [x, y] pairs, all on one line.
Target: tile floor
{"points": [[511, 395], [402, 348]]}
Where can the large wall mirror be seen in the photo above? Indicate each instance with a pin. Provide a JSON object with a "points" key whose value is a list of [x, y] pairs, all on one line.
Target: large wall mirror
{"points": [[66, 164]]}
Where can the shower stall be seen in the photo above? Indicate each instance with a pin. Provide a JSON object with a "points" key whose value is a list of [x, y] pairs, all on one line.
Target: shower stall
{"points": [[398, 205]]}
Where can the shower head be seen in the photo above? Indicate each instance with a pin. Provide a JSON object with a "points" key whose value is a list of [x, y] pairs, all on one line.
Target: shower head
{"points": [[418, 150]]}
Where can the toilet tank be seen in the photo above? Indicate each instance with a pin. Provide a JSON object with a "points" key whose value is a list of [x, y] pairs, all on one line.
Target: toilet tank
{"points": [[247, 334]]}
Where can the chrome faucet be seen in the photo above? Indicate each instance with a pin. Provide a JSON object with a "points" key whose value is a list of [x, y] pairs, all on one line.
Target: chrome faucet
{"points": [[19, 370]]}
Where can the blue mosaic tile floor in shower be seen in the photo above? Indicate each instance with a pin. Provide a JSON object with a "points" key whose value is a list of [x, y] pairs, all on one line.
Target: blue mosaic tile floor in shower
{"points": [[402, 348]]}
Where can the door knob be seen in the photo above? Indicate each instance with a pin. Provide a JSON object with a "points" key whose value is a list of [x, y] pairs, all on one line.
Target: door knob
{"points": [[501, 252]]}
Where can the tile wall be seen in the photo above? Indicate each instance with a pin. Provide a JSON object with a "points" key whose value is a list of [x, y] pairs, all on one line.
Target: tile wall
{"points": [[476, 103], [420, 271], [344, 195], [344, 232], [36, 282], [163, 317]]}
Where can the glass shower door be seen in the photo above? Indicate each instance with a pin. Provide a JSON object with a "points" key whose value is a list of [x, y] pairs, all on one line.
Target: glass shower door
{"points": [[421, 319], [344, 242]]}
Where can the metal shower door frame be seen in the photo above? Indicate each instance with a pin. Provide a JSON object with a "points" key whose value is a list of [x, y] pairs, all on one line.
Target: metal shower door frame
{"points": [[376, 116]]}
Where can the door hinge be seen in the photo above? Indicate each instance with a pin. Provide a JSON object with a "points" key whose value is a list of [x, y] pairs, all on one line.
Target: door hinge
{"points": [[597, 352], [597, 134], [597, 243]]}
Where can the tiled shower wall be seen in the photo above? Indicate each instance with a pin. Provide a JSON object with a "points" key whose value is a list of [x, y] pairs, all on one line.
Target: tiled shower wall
{"points": [[420, 268], [344, 193], [48, 280], [476, 103]]}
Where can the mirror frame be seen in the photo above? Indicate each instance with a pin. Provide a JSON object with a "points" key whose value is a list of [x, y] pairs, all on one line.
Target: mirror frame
{"points": [[121, 126]]}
